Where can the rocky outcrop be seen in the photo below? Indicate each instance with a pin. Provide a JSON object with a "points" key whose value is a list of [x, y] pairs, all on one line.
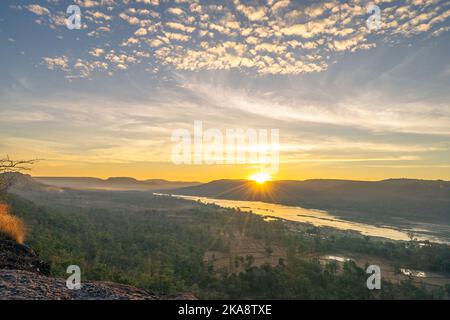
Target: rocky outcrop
{"points": [[25, 285], [14, 256], [23, 276]]}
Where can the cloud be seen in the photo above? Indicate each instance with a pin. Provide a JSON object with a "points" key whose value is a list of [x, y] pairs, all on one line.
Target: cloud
{"points": [[355, 112], [252, 13], [37, 9], [151, 2], [141, 32], [88, 3], [97, 52], [279, 36], [179, 26], [25, 116], [175, 11], [131, 20], [155, 43], [279, 5], [177, 36], [99, 15], [78, 68], [46, 17], [56, 63], [130, 41]]}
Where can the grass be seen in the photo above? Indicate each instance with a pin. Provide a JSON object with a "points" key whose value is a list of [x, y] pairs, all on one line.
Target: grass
{"points": [[11, 226]]}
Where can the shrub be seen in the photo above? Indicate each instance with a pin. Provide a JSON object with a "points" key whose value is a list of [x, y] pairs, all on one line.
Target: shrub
{"points": [[11, 226]]}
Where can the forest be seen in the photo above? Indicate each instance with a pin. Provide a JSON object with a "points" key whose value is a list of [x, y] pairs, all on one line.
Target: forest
{"points": [[160, 243]]}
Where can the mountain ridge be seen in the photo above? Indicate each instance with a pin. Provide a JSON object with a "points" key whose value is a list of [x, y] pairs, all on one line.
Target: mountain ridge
{"points": [[113, 183]]}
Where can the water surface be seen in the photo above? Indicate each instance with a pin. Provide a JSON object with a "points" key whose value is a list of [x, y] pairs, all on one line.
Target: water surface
{"points": [[319, 218]]}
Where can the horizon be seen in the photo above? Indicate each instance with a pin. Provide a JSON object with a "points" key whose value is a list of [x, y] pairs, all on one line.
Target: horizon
{"points": [[235, 179]]}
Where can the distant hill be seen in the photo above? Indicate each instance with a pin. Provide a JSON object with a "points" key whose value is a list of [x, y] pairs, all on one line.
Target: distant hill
{"points": [[410, 200], [114, 183], [423, 200], [25, 182]]}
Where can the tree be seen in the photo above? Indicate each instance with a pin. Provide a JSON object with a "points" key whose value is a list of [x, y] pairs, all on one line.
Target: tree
{"points": [[411, 236], [250, 260], [269, 251], [7, 167]]}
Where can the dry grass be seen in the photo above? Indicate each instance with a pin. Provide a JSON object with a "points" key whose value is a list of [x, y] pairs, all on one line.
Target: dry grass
{"points": [[11, 226]]}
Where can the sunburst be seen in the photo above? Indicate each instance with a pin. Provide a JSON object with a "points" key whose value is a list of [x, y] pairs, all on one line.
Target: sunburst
{"points": [[260, 177]]}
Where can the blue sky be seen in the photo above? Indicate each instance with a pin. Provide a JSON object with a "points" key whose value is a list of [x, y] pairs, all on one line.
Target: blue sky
{"points": [[349, 102]]}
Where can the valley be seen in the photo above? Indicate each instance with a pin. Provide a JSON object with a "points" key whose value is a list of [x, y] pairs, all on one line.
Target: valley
{"points": [[171, 245]]}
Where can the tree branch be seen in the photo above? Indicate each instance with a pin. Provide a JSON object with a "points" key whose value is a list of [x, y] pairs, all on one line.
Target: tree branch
{"points": [[8, 166]]}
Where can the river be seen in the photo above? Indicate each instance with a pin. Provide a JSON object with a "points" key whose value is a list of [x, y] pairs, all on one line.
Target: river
{"points": [[319, 218]]}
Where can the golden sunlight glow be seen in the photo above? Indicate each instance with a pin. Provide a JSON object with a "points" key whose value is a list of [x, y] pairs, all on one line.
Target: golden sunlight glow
{"points": [[260, 177]]}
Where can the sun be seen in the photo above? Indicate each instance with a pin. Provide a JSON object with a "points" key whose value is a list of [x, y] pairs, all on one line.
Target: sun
{"points": [[260, 177]]}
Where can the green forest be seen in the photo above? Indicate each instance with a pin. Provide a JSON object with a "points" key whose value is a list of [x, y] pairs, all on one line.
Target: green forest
{"points": [[159, 244]]}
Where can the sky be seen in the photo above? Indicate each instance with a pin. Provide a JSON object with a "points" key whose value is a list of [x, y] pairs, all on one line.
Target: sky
{"points": [[350, 101]]}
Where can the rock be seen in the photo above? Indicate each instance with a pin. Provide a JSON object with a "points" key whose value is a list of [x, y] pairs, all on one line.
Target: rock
{"points": [[23, 276], [15, 256], [25, 285]]}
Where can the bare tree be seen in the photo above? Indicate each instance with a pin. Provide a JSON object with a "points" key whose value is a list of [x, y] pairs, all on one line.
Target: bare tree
{"points": [[7, 167]]}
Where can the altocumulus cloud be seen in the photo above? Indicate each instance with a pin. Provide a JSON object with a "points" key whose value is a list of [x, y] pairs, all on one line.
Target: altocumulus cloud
{"points": [[267, 37]]}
